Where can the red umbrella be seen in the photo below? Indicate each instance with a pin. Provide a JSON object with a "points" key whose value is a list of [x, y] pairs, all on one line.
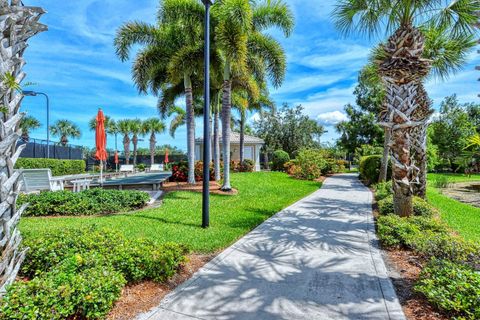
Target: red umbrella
{"points": [[115, 158], [166, 156], [101, 141]]}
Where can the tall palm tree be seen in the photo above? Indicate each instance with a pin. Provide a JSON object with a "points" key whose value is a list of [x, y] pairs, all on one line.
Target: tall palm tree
{"points": [[19, 23], [172, 55], [124, 128], [136, 130], [28, 124], [403, 65], [112, 129], [153, 126], [65, 129], [239, 32]]}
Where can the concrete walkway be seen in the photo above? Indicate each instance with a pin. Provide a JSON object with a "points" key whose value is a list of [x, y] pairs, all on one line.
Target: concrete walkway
{"points": [[317, 259]]}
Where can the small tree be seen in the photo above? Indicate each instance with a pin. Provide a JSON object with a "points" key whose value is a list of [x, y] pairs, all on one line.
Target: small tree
{"points": [[28, 124], [153, 126], [65, 129]]}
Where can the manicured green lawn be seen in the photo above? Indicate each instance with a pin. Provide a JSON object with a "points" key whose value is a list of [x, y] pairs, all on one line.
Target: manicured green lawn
{"points": [[260, 196], [463, 218]]}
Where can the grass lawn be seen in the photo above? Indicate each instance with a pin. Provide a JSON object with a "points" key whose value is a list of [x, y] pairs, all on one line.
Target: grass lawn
{"points": [[461, 217], [178, 219], [454, 177]]}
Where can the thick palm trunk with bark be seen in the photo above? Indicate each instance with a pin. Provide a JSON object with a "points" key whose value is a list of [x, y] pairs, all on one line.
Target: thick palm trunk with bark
{"points": [[153, 142], [190, 130], [401, 70], [226, 117], [216, 147], [126, 148], [385, 157], [17, 24], [135, 148], [242, 136]]}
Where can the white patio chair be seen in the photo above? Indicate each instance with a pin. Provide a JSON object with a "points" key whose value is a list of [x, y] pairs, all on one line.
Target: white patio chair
{"points": [[40, 180]]}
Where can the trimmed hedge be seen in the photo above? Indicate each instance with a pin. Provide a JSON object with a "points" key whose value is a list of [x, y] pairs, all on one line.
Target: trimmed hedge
{"points": [[420, 206], [87, 202], [279, 158], [58, 167], [79, 273], [452, 287], [369, 169], [383, 190]]}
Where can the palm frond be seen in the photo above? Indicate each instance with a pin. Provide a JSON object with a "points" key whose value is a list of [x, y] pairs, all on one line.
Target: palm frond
{"points": [[133, 33], [273, 14]]}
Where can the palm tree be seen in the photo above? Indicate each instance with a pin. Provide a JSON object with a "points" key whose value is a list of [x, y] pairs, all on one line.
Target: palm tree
{"points": [[404, 63], [240, 38], [19, 23], [27, 124], [136, 130], [172, 55], [124, 128], [153, 126], [112, 129], [65, 129]]}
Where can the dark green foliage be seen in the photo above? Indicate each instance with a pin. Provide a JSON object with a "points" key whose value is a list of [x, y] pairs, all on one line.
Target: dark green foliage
{"points": [[310, 163], [452, 287], [135, 259], [383, 190], [428, 237], [279, 158], [87, 202], [247, 165], [79, 287], [58, 167], [420, 206], [369, 168]]}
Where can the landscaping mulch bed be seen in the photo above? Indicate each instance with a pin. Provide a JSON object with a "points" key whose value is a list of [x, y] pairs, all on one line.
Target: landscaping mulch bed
{"points": [[407, 266], [198, 187], [141, 297]]}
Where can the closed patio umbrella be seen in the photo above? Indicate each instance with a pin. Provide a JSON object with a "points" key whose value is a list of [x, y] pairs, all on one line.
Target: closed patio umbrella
{"points": [[166, 156], [115, 159], [101, 141]]}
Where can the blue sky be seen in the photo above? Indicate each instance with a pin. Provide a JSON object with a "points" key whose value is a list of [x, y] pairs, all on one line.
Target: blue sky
{"points": [[75, 63]]}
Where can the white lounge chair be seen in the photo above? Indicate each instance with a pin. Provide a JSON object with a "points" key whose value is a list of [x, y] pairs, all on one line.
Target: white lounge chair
{"points": [[40, 180], [156, 167], [127, 168]]}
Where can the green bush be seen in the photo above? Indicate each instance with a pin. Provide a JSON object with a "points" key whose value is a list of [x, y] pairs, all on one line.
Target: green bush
{"points": [[87, 202], [441, 182], [79, 287], [369, 169], [135, 259], [383, 190], [310, 163], [452, 287], [420, 207], [141, 167], [58, 167], [247, 165], [279, 158]]}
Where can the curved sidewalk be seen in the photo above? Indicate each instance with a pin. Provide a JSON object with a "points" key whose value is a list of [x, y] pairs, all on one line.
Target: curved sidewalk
{"points": [[317, 259]]}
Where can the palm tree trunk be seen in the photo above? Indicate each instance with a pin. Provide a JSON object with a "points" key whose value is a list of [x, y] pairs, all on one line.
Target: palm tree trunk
{"points": [[242, 136], [126, 148], [385, 157], [226, 117], [190, 129], [135, 143], [216, 147], [19, 23], [153, 142]]}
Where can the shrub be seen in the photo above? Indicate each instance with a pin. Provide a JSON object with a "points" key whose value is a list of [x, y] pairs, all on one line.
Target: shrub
{"points": [[310, 164], [58, 167], [180, 171], [279, 158], [247, 166], [141, 167], [87, 202], [291, 167], [79, 287], [420, 206], [383, 190], [135, 259], [442, 182], [452, 287], [369, 169]]}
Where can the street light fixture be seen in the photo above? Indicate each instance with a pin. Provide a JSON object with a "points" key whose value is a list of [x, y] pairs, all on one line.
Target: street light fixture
{"points": [[34, 94], [206, 119]]}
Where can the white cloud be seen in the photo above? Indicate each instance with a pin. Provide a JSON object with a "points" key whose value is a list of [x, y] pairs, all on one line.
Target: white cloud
{"points": [[331, 118]]}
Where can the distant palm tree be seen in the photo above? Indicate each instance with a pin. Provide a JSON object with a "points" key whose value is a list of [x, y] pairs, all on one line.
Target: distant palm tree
{"points": [[153, 126], [65, 129], [112, 129], [27, 124], [124, 128], [136, 130]]}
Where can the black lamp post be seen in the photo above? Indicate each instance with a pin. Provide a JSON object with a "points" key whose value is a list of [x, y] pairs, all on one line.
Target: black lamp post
{"points": [[206, 120], [34, 94]]}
